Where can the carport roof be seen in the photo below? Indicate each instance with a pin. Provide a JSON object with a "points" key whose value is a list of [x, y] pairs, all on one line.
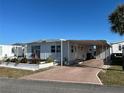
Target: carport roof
{"points": [[91, 42]]}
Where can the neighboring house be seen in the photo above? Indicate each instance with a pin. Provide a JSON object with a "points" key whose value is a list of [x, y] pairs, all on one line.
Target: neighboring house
{"points": [[10, 51], [117, 47], [68, 50]]}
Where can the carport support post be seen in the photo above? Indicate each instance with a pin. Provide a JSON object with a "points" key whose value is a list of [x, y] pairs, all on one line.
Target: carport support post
{"points": [[61, 52], [102, 53], [17, 52], [45, 51], [106, 55], [68, 52]]}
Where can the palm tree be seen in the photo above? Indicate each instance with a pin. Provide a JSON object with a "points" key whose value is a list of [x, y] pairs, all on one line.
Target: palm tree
{"points": [[117, 20], [117, 23]]}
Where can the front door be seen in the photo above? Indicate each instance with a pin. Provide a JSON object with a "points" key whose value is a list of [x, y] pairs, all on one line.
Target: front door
{"points": [[36, 51]]}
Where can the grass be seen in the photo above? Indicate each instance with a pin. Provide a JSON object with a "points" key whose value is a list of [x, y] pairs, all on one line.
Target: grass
{"points": [[17, 73], [112, 76]]}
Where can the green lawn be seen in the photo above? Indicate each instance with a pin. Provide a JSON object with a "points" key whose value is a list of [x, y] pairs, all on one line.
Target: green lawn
{"points": [[16, 73], [112, 76]]}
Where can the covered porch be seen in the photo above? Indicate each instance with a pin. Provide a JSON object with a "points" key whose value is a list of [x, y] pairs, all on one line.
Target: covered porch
{"points": [[86, 50]]}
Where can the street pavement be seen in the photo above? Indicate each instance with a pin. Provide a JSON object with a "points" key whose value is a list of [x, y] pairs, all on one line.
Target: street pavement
{"points": [[30, 86]]}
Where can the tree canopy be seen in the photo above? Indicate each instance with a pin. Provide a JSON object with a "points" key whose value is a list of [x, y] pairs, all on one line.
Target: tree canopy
{"points": [[116, 19]]}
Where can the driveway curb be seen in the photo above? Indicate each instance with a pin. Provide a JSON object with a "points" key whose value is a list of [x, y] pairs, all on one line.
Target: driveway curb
{"points": [[61, 81], [98, 77]]}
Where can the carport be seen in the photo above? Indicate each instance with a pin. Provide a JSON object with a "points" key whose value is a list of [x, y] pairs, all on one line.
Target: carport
{"points": [[100, 47]]}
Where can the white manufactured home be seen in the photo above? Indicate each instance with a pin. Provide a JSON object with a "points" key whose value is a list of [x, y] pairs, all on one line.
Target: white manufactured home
{"points": [[117, 47], [69, 50], [10, 51]]}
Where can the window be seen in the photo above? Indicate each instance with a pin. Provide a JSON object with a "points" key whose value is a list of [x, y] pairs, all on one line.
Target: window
{"points": [[0, 50], [119, 47], [58, 48], [13, 50], [34, 48], [123, 47], [52, 49]]}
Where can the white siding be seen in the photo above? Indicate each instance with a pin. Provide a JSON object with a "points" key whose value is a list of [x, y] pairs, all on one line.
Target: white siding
{"points": [[115, 47], [80, 51], [0, 50], [45, 50], [6, 51]]}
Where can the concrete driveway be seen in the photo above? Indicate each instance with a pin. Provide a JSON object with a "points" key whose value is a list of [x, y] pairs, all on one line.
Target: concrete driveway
{"points": [[86, 72]]}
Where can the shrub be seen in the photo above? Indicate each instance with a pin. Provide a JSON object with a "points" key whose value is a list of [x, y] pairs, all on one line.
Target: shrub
{"points": [[117, 61], [8, 60], [65, 61], [17, 62], [49, 59], [14, 60], [24, 60]]}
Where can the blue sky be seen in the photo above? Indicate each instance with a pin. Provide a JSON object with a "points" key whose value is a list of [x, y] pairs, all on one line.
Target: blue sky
{"points": [[29, 20]]}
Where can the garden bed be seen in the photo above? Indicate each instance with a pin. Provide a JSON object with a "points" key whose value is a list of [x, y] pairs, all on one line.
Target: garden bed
{"points": [[26, 66]]}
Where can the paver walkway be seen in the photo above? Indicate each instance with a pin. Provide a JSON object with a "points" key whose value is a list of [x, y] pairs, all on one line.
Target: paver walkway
{"points": [[84, 73]]}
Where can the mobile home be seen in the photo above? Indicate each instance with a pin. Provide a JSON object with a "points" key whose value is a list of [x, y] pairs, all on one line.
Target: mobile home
{"points": [[68, 50], [117, 47], [10, 51]]}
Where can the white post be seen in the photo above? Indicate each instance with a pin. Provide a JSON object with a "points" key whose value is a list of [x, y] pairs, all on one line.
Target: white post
{"points": [[102, 53], [106, 53], [25, 51], [55, 50], [55, 58], [61, 53], [17, 51], [44, 50], [68, 52]]}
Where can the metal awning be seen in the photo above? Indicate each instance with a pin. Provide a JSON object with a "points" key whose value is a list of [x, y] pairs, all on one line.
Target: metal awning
{"points": [[91, 42]]}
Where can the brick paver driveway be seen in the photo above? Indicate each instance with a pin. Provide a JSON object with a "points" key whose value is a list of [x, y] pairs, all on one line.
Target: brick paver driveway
{"points": [[83, 73]]}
